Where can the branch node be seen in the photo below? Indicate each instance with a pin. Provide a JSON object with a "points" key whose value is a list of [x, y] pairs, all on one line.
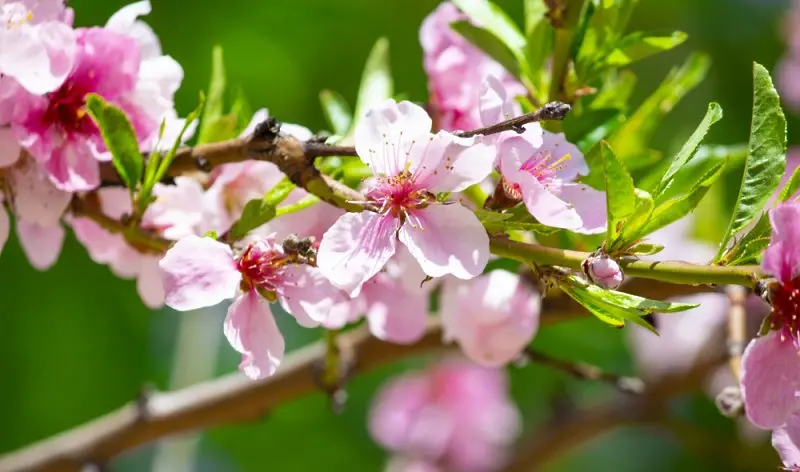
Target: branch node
{"points": [[202, 163], [142, 402], [267, 130]]}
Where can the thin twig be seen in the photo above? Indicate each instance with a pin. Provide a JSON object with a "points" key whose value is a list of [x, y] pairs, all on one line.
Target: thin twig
{"points": [[552, 111], [737, 326], [628, 385]]}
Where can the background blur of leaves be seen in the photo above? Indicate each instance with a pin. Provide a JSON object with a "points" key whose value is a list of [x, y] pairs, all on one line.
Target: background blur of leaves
{"points": [[76, 342]]}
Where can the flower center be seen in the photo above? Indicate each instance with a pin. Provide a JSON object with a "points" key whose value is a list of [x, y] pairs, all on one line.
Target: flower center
{"points": [[785, 308], [261, 266], [543, 166], [14, 15], [400, 197], [66, 109]]}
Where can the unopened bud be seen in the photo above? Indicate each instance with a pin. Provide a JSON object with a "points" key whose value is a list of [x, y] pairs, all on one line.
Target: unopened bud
{"points": [[603, 271], [730, 402]]}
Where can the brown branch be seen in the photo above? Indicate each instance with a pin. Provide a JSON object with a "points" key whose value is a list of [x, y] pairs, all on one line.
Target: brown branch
{"points": [[552, 111], [234, 398], [628, 385]]}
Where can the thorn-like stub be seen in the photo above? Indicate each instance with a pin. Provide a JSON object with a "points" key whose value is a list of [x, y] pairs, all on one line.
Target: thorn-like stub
{"points": [[202, 163], [143, 400], [555, 111], [267, 130]]}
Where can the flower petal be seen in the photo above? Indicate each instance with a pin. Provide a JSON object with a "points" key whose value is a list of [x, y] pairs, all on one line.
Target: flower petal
{"points": [[355, 248], [125, 21], [451, 164], [557, 146], [447, 239], [589, 204], [24, 55], [782, 257], [251, 329], [307, 295], [770, 380], [148, 283], [198, 272], [36, 199], [786, 441], [389, 133], [9, 147], [41, 244], [395, 315], [72, 168]]}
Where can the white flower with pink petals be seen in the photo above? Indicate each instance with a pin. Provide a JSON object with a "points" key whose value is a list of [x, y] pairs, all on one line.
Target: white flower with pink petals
{"points": [[199, 272], [411, 166], [493, 317]]}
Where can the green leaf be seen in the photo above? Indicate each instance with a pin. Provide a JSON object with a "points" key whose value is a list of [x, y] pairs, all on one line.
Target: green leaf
{"points": [[791, 187], [647, 249], [535, 11], [749, 249], [616, 90], [688, 150], [336, 111], [256, 212], [540, 42], [490, 44], [119, 137], [620, 192], [591, 126], [242, 110], [617, 307], [632, 227], [376, 80], [516, 219], [214, 105], [766, 160], [631, 139], [639, 45], [279, 192], [493, 19]]}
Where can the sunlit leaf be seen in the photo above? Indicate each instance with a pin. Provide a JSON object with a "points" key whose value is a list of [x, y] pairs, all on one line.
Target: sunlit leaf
{"points": [[337, 111], [639, 45], [119, 137], [376, 80], [215, 97]]}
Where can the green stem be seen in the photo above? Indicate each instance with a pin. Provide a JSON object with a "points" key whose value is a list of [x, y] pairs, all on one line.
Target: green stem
{"points": [[476, 195], [306, 202], [562, 51], [332, 375], [667, 271]]}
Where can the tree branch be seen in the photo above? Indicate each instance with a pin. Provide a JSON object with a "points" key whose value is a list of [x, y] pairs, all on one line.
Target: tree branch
{"points": [[234, 398], [580, 370], [553, 111]]}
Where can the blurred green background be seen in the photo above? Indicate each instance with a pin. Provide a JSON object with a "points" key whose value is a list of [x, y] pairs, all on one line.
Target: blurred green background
{"points": [[76, 342]]}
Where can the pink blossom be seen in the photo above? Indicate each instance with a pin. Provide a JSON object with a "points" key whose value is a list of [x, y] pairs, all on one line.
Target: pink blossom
{"points": [[411, 166], [604, 271], [455, 70], [37, 43], [542, 168], [455, 414], [786, 440], [493, 317], [117, 62], [199, 272], [771, 365]]}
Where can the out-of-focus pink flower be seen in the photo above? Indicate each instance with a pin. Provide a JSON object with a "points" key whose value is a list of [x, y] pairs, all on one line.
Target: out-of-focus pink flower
{"points": [[37, 43], [771, 365], [455, 414], [493, 317], [542, 168], [38, 207], [199, 272], [603, 271], [455, 70], [789, 66], [411, 167], [117, 62], [410, 464], [786, 440]]}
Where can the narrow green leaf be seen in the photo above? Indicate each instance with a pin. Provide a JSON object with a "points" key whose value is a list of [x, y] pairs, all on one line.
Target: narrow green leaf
{"points": [[255, 213], [302, 204], [489, 43], [591, 126], [119, 137], [519, 220], [242, 110], [791, 187], [495, 20], [376, 80], [279, 192], [688, 150], [631, 139], [535, 11], [167, 161], [766, 160], [540, 43], [647, 249], [750, 247], [639, 45], [214, 105], [336, 111], [616, 90], [620, 192], [632, 227]]}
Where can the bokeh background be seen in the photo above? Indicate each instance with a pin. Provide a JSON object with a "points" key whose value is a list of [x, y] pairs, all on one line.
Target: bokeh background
{"points": [[76, 342]]}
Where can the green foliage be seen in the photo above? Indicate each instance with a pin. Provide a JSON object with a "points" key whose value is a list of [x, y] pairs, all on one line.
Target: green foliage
{"points": [[615, 308], [376, 81], [639, 45], [216, 125], [620, 193], [337, 111], [119, 137], [515, 219], [259, 211], [765, 162]]}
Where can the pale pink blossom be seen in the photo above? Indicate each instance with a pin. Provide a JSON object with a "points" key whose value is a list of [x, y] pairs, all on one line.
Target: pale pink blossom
{"points": [[454, 414], [37, 43], [411, 167], [455, 69], [493, 317], [786, 440], [542, 168], [771, 364], [117, 62], [199, 272]]}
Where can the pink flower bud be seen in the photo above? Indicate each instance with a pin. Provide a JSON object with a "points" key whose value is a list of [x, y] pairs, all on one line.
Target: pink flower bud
{"points": [[603, 271]]}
